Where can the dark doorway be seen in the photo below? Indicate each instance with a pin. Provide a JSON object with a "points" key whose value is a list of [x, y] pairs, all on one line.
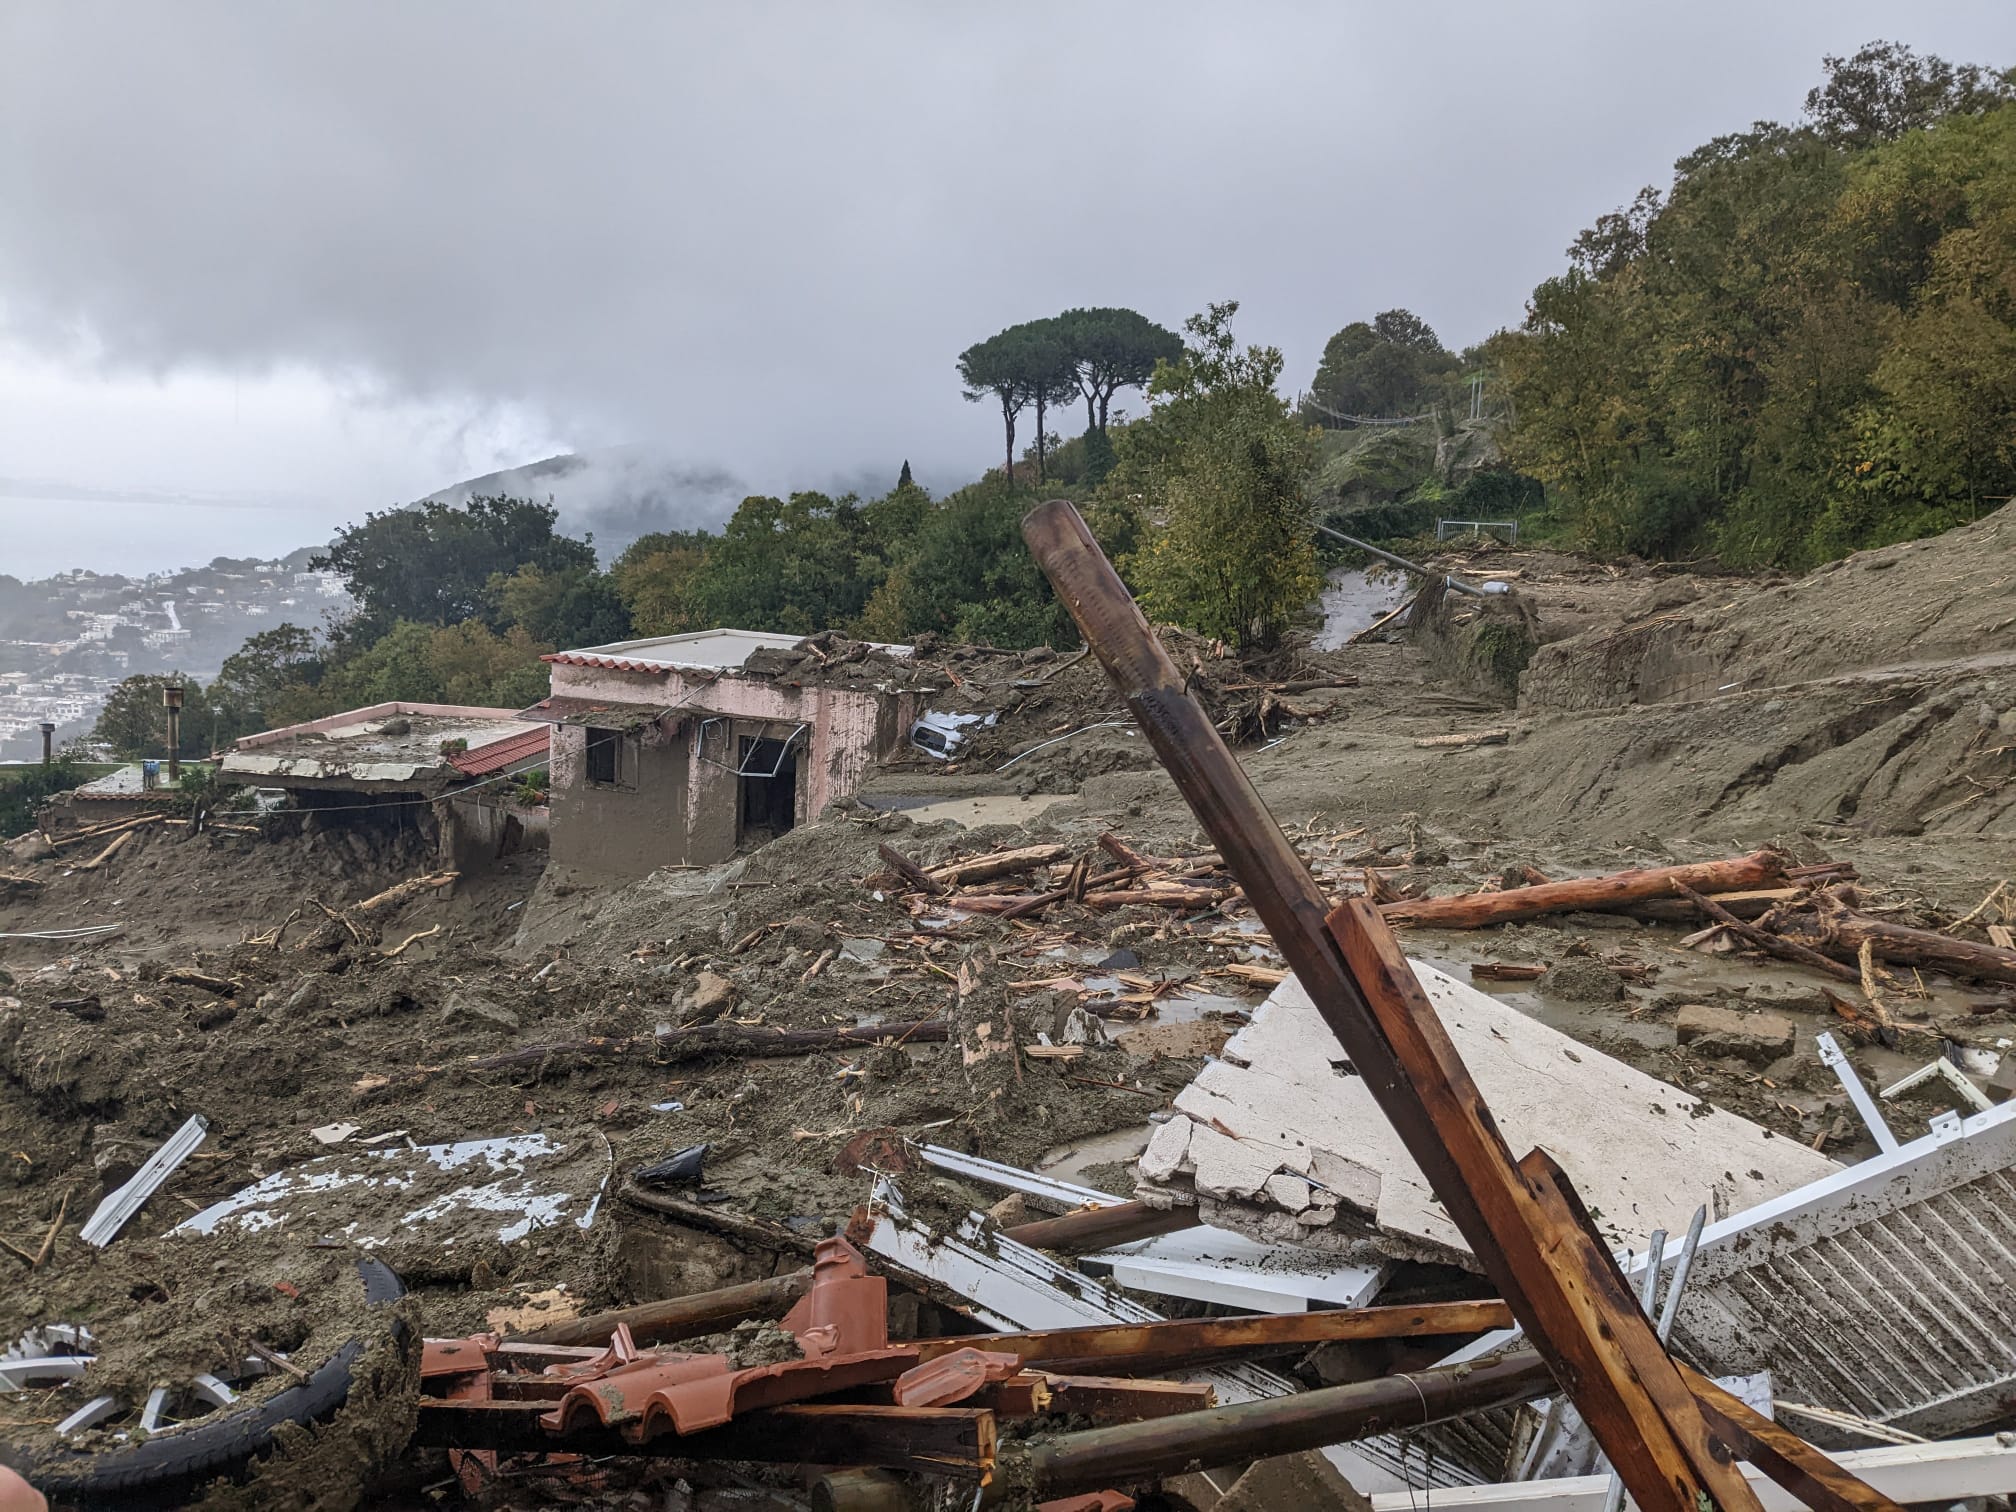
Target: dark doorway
{"points": [[769, 784]]}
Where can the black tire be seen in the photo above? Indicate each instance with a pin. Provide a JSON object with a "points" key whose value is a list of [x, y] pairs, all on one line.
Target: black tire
{"points": [[175, 1463]]}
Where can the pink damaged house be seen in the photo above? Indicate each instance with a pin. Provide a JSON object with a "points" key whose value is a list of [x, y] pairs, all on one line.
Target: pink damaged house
{"points": [[684, 749]]}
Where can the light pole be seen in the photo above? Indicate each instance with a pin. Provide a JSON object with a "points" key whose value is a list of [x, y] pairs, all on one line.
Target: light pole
{"points": [[171, 698]]}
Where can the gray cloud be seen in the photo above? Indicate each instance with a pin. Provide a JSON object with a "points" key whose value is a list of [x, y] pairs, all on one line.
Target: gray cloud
{"points": [[752, 238]]}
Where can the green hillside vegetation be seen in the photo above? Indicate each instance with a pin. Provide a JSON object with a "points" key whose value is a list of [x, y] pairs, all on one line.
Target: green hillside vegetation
{"points": [[1805, 346]]}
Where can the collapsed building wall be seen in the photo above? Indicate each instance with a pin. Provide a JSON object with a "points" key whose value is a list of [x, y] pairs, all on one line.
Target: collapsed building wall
{"points": [[664, 766]]}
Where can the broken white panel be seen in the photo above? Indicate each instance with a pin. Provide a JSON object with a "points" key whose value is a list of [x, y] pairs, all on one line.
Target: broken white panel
{"points": [[118, 1208], [1217, 1265], [1912, 1474], [1013, 1286], [1851, 1083], [1953, 1076], [1280, 1137], [525, 1181], [1064, 1194], [1883, 1291], [1204, 1264]]}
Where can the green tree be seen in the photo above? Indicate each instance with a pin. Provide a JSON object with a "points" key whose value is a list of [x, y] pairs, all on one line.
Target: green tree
{"points": [[433, 562], [23, 789], [566, 606], [1050, 369], [1219, 463], [969, 576], [996, 367], [1886, 90], [1798, 350], [1391, 365], [472, 664], [796, 566], [655, 579], [1112, 349], [134, 721], [258, 675]]}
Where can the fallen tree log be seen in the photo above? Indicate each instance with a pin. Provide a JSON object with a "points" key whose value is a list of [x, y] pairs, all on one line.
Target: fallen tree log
{"points": [[1837, 930], [401, 891], [1012, 905], [113, 828], [717, 1039], [1477, 910], [1751, 903], [1000, 864], [119, 842]]}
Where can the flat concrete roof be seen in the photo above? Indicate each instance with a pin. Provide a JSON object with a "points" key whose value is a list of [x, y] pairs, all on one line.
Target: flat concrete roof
{"points": [[386, 744], [714, 650], [696, 648]]}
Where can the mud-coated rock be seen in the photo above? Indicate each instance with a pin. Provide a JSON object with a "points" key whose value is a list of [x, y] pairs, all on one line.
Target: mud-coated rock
{"points": [[115, 1156], [473, 1006], [711, 995], [1759, 1038]]}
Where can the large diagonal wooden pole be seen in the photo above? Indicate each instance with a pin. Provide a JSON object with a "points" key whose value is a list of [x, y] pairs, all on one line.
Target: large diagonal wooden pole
{"points": [[1521, 1219]]}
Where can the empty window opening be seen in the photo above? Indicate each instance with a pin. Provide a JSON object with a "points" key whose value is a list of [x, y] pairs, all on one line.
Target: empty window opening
{"points": [[604, 751], [768, 788]]}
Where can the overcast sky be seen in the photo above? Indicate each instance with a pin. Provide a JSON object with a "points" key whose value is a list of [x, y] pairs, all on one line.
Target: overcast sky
{"points": [[266, 266]]}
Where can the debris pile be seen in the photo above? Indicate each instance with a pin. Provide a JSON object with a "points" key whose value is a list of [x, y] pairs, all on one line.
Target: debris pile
{"points": [[1045, 1162]]}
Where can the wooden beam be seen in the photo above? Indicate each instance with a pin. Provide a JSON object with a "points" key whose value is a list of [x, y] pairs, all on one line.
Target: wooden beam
{"points": [[1534, 1238], [1560, 1281], [1151, 1346], [679, 1318], [1782, 1455], [958, 1442], [1762, 868], [1098, 1228], [1115, 1399], [1137, 1452]]}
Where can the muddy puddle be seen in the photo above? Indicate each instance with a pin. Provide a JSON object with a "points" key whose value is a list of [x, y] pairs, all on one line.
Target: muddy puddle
{"points": [[1351, 600]]}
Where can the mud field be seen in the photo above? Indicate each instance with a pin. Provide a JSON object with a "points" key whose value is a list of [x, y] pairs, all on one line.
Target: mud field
{"points": [[1662, 718]]}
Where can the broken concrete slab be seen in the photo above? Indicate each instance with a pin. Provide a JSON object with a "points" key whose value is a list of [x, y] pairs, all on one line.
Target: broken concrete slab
{"points": [[1756, 1037], [1285, 1100]]}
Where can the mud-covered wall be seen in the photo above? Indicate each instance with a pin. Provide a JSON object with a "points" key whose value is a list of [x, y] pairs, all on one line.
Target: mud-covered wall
{"points": [[680, 809], [628, 827], [486, 825]]}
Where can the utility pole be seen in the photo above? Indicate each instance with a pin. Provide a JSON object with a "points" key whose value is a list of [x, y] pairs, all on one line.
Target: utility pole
{"points": [[48, 742], [171, 698]]}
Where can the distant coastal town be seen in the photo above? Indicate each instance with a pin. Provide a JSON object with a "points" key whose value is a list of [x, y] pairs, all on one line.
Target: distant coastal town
{"points": [[67, 640]]}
